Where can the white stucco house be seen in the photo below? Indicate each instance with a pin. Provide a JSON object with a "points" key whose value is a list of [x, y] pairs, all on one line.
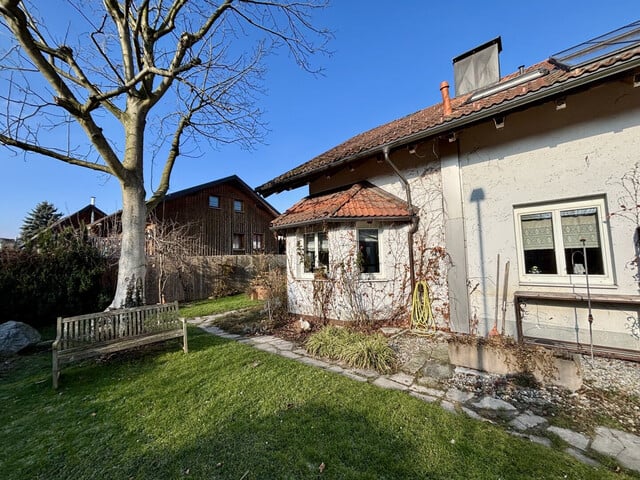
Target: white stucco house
{"points": [[538, 168]]}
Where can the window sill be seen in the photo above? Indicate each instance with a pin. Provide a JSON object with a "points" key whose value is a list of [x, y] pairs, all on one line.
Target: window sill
{"points": [[567, 283]]}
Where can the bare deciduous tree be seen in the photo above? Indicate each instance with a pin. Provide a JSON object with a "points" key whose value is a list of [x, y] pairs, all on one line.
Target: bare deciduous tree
{"points": [[117, 60], [169, 246]]}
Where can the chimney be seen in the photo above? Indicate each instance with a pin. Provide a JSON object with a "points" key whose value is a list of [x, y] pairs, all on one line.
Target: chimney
{"points": [[477, 68], [446, 100], [93, 214]]}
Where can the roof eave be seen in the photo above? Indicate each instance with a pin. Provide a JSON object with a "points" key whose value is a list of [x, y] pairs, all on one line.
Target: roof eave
{"points": [[399, 218], [457, 123]]}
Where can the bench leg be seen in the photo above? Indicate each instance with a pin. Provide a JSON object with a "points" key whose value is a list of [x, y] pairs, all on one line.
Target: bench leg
{"points": [[55, 370], [185, 344]]}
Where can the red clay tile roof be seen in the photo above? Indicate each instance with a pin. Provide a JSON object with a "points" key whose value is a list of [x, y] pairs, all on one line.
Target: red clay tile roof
{"points": [[431, 121], [361, 201]]}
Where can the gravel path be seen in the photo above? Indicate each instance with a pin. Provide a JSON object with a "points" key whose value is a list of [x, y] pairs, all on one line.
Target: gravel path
{"points": [[611, 388]]}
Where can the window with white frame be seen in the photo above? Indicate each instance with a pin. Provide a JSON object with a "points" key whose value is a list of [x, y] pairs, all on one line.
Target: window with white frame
{"points": [[238, 241], [316, 252], [561, 242], [368, 250], [258, 241]]}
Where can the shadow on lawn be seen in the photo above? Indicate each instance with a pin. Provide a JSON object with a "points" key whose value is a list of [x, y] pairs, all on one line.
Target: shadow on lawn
{"points": [[229, 411], [291, 443]]}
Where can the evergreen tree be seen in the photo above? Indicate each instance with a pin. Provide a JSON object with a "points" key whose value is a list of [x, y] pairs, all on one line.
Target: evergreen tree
{"points": [[41, 217]]}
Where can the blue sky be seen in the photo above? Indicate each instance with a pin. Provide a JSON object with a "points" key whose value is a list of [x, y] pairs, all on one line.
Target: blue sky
{"points": [[389, 59]]}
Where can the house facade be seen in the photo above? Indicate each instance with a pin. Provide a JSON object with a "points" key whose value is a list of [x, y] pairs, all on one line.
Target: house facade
{"points": [[537, 170]]}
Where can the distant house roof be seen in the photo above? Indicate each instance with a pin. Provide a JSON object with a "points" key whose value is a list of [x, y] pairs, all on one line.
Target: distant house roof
{"points": [[7, 243], [539, 82], [362, 201], [84, 216], [230, 179]]}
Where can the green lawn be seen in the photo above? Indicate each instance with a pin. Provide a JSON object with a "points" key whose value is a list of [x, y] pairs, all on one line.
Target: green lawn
{"points": [[218, 305], [226, 410]]}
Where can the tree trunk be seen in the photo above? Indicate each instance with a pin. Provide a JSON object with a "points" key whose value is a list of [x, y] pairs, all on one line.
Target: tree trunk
{"points": [[132, 264]]}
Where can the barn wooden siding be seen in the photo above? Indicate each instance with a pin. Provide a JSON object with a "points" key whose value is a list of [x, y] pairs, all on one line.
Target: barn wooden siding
{"points": [[212, 229]]}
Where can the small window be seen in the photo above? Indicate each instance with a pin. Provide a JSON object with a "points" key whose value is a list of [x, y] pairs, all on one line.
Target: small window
{"points": [[238, 241], [238, 206], [214, 201], [368, 252], [562, 242], [316, 252], [258, 241]]}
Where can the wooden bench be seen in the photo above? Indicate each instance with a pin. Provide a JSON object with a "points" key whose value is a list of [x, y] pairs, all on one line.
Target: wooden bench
{"points": [[94, 334]]}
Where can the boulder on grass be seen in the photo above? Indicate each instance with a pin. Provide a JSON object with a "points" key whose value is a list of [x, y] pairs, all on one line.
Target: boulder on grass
{"points": [[16, 336]]}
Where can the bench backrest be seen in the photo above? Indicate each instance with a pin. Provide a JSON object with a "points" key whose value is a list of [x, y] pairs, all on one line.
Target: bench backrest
{"points": [[104, 327]]}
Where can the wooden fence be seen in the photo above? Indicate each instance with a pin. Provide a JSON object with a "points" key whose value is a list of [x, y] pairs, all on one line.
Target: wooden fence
{"points": [[204, 277]]}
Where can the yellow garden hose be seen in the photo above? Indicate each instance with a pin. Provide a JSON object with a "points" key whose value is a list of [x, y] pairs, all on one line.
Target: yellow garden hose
{"points": [[421, 314]]}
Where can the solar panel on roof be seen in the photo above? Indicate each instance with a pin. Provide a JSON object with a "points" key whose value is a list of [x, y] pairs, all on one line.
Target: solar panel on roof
{"points": [[603, 46]]}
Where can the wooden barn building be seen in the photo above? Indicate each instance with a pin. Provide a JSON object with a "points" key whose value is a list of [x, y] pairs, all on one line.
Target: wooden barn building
{"points": [[222, 217]]}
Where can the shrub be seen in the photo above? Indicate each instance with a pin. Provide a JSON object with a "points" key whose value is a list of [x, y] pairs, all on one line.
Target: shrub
{"points": [[272, 280], [60, 275], [329, 342], [370, 351], [358, 350]]}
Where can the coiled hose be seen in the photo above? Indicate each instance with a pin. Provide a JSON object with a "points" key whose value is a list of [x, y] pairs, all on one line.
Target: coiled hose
{"points": [[421, 313]]}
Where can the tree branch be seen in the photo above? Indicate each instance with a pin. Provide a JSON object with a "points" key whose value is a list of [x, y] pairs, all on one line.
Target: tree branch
{"points": [[18, 23], [174, 152], [12, 142], [187, 40]]}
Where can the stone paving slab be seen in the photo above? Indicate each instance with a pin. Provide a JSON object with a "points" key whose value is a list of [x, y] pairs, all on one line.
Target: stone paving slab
{"points": [[448, 406], [282, 344], [423, 397], [336, 369], [470, 413], [527, 421], [214, 330], [574, 439], [623, 446], [385, 382], [456, 395], [402, 378], [432, 392], [490, 403], [267, 347], [314, 362], [366, 373], [353, 376], [264, 339], [578, 455], [288, 354]]}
